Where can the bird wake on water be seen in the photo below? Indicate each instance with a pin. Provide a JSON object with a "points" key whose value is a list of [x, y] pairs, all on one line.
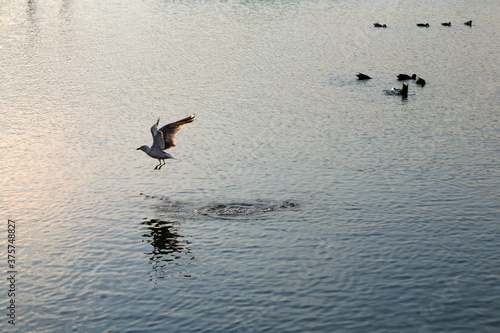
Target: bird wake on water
{"points": [[163, 139]]}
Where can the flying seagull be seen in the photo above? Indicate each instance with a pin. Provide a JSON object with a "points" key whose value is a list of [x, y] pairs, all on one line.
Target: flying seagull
{"points": [[163, 139]]}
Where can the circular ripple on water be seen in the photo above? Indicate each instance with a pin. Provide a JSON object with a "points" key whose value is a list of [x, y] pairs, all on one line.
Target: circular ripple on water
{"points": [[245, 210]]}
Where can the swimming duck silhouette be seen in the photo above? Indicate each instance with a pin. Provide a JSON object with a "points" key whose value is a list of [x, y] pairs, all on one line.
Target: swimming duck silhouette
{"points": [[362, 76], [404, 77], [469, 23], [446, 24], [378, 25], [420, 81], [423, 25]]}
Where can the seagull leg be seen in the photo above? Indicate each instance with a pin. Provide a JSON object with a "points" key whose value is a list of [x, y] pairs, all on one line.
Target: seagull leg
{"points": [[158, 166], [161, 164]]}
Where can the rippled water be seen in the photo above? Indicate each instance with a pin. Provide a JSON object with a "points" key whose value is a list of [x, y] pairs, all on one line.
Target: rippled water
{"points": [[303, 200]]}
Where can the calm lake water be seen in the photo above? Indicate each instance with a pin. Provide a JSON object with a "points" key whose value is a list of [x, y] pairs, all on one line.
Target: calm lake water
{"points": [[303, 200]]}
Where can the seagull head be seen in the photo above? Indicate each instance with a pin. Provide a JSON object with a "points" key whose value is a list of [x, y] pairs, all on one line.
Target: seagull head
{"points": [[144, 148]]}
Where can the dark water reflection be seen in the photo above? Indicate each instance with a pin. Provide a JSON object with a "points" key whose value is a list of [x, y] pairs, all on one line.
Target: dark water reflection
{"points": [[169, 247], [172, 253]]}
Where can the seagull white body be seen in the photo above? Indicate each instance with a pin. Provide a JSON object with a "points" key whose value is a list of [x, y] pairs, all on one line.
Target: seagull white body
{"points": [[163, 139]]}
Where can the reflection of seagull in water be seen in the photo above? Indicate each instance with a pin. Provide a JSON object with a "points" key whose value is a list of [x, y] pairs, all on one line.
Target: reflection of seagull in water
{"points": [[163, 139]]}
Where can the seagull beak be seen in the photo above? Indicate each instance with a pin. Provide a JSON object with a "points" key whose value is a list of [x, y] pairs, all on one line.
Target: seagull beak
{"points": [[138, 149]]}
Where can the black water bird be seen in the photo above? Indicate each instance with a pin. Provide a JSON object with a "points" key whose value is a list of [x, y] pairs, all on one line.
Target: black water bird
{"points": [[362, 76], [420, 81], [423, 25], [404, 77], [404, 90], [446, 24], [378, 25], [469, 23]]}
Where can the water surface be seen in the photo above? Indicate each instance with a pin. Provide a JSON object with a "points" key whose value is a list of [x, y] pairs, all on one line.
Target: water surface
{"points": [[303, 200]]}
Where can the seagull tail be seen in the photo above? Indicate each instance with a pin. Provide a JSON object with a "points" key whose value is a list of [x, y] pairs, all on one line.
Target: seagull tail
{"points": [[170, 156]]}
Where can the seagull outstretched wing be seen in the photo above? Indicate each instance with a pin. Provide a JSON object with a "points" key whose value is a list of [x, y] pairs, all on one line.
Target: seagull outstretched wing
{"points": [[169, 131], [158, 142]]}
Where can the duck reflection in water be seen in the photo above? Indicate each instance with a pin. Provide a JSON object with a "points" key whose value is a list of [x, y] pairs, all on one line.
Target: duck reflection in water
{"points": [[169, 248]]}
